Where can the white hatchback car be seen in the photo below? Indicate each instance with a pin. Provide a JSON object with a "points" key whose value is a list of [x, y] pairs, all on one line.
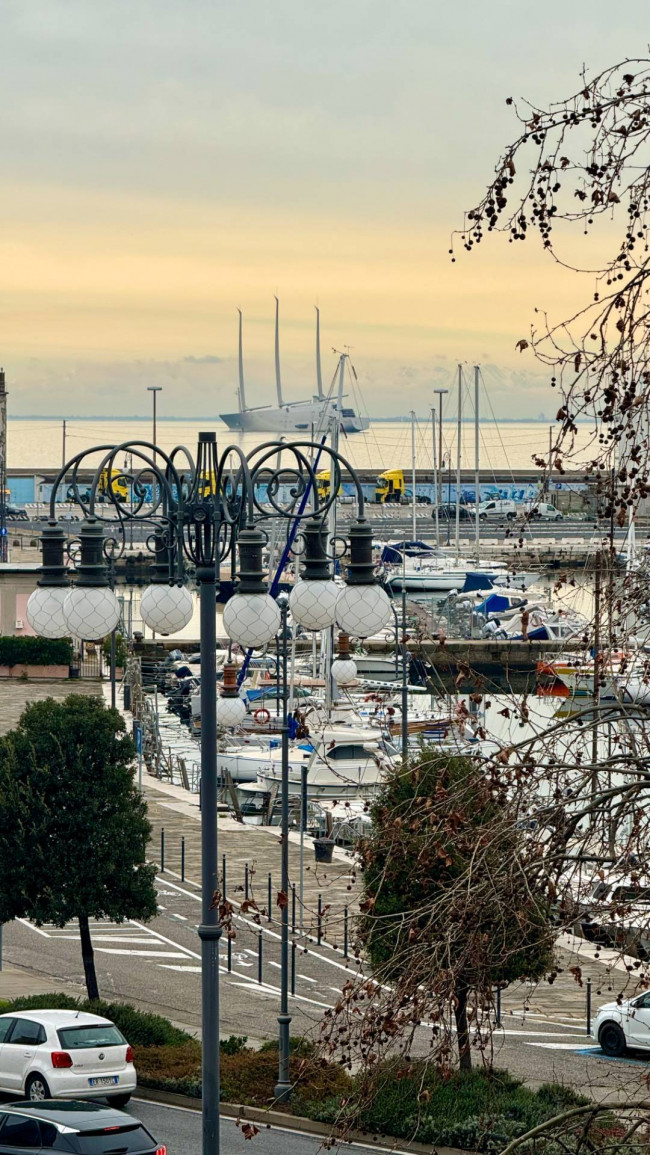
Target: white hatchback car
{"points": [[618, 1026], [65, 1054]]}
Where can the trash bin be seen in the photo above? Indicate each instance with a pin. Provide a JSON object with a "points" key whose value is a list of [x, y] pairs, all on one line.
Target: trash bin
{"points": [[323, 849]]}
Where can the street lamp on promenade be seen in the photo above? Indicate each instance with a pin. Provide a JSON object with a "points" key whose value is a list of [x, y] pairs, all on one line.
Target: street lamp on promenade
{"points": [[204, 512]]}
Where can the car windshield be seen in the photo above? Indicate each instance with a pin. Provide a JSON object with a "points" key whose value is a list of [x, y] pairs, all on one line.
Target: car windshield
{"points": [[94, 1035], [110, 1141]]}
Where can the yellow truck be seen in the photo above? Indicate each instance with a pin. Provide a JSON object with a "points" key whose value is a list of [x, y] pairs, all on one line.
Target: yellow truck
{"points": [[323, 484], [390, 486], [113, 487]]}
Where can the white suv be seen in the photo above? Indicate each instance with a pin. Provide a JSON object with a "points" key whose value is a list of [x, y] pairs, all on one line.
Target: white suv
{"points": [[65, 1054], [618, 1026]]}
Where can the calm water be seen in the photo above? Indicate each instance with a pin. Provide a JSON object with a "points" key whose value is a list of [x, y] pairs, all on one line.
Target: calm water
{"points": [[39, 443]]}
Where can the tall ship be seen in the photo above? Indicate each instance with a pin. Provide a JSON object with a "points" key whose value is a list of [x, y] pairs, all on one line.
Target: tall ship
{"points": [[289, 416]]}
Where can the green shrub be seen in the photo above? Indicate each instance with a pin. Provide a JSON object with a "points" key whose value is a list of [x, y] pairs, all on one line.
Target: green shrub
{"points": [[29, 651], [478, 1110], [140, 1028], [233, 1044]]}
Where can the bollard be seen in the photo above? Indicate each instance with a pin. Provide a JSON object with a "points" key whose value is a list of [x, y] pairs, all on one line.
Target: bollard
{"points": [[498, 1006], [183, 859], [293, 908], [162, 850], [229, 953], [270, 899], [259, 956], [293, 968], [246, 881], [223, 875], [589, 1006], [345, 932], [319, 937]]}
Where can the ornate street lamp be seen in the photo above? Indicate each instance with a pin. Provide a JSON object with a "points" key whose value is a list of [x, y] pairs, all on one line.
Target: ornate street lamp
{"points": [[202, 512]]}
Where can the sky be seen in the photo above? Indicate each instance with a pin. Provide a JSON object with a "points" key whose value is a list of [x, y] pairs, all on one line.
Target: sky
{"points": [[166, 163]]}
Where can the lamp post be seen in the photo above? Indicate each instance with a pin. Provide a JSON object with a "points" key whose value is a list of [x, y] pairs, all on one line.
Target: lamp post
{"points": [[205, 525], [154, 389]]}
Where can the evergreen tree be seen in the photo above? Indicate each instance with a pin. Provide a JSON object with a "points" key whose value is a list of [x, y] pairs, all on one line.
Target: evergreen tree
{"points": [[73, 825]]}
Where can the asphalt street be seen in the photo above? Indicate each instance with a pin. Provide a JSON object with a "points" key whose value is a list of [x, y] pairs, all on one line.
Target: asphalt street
{"points": [[157, 966], [180, 1130]]}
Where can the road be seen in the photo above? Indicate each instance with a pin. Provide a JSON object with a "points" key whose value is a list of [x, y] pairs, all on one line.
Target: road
{"points": [[158, 968]]}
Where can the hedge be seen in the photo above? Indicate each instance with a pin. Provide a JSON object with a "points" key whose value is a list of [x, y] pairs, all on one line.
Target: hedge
{"points": [[140, 1028], [35, 651], [476, 1110]]}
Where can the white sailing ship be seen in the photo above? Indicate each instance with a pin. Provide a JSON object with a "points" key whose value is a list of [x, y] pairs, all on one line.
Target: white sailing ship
{"points": [[290, 416]]}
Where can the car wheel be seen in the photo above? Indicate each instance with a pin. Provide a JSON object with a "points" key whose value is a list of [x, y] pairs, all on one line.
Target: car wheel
{"points": [[510, 517], [612, 1039], [36, 1089], [118, 1100], [482, 516]]}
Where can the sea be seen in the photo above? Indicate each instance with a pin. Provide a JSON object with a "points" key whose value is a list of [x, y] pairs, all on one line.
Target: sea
{"points": [[38, 443]]}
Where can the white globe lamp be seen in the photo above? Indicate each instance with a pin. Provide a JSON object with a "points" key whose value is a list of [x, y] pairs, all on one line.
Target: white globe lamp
{"points": [[166, 608], [45, 605], [362, 607], [231, 709], [90, 609], [251, 617], [313, 598]]}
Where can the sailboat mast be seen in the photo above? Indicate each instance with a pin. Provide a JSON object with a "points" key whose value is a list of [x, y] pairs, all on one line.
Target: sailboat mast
{"points": [[477, 482], [319, 375], [328, 635], [413, 511], [458, 455], [278, 380], [242, 391], [436, 494]]}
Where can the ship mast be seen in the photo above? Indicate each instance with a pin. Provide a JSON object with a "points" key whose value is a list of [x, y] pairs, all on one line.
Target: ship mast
{"points": [[319, 376], [242, 392], [278, 381]]}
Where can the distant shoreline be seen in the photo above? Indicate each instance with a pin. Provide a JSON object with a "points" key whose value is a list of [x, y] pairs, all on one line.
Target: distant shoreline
{"points": [[373, 420]]}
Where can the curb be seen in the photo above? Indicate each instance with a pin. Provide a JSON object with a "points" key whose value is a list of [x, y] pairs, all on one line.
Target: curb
{"points": [[270, 1118]]}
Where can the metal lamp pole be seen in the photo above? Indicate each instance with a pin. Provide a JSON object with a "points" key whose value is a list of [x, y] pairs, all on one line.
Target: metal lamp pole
{"points": [[283, 1085], [206, 527]]}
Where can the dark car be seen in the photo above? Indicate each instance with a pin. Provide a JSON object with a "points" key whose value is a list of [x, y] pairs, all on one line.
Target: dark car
{"points": [[447, 512], [73, 1126]]}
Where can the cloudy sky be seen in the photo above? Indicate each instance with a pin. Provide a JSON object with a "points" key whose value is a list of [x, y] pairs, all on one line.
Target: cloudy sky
{"points": [[166, 162]]}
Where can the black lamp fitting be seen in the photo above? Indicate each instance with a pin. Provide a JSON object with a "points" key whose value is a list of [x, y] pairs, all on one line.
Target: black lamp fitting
{"points": [[316, 565], [53, 569], [361, 568]]}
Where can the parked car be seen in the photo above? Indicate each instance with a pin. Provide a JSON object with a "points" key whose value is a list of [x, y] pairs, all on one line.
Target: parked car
{"points": [[618, 1026], [447, 512], [76, 1127], [543, 510], [498, 509], [14, 513], [65, 1054]]}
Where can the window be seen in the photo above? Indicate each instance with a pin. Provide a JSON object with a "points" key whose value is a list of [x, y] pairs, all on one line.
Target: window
{"points": [[49, 1134], [125, 1139], [5, 1027], [19, 1131], [28, 1033], [345, 752], [75, 1038]]}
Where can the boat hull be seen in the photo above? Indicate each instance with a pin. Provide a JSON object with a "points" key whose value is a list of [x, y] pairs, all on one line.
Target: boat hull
{"points": [[296, 418]]}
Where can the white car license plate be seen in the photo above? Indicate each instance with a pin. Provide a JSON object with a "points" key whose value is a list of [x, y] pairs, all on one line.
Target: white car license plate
{"points": [[105, 1081]]}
